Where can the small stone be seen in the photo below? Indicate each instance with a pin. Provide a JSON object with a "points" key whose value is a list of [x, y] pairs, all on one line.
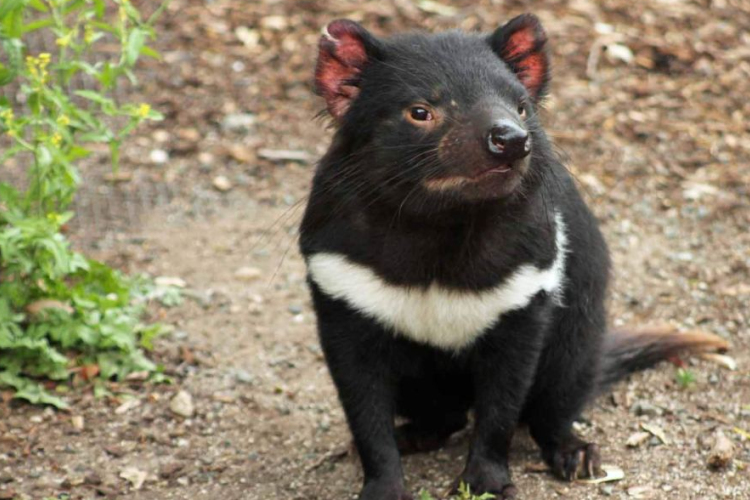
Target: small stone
{"points": [[127, 406], [244, 377], [238, 122], [93, 478], [607, 490], [115, 450], [182, 404], [277, 23], [645, 408], [248, 273], [171, 470], [642, 492], [222, 183], [159, 156], [294, 308], [206, 158], [637, 439], [250, 38], [722, 452], [134, 476], [161, 136], [77, 422], [167, 281]]}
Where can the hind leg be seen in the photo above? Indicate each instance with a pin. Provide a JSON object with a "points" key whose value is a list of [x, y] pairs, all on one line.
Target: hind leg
{"points": [[435, 409]]}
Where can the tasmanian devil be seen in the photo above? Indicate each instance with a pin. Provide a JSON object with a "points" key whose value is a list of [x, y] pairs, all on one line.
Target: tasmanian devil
{"points": [[452, 262]]}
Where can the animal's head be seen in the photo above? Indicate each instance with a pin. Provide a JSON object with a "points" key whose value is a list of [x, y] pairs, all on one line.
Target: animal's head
{"points": [[448, 117]]}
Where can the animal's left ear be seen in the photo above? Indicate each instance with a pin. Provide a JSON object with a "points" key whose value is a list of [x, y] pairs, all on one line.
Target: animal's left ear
{"points": [[521, 44]]}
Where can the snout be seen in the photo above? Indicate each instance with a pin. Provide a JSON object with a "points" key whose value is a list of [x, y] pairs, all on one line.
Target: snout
{"points": [[508, 141]]}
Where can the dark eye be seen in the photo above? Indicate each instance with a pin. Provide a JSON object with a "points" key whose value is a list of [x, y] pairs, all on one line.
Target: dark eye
{"points": [[420, 114], [522, 110]]}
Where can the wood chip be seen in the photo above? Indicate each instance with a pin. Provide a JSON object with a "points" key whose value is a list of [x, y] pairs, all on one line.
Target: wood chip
{"points": [[611, 473], [637, 439], [656, 431], [643, 492], [285, 155]]}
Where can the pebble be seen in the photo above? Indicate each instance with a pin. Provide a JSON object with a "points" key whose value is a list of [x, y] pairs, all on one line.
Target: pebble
{"points": [[645, 408], [159, 156], [182, 404], [722, 452], [77, 422], [244, 377], [248, 273], [238, 122], [206, 158], [607, 490], [274, 22], [161, 136], [222, 183]]}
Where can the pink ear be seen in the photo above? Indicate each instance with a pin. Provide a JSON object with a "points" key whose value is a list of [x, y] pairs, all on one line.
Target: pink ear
{"points": [[521, 44], [342, 53]]}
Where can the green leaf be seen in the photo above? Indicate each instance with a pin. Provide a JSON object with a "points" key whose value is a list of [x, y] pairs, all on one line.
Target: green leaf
{"points": [[8, 6], [136, 41], [37, 25]]}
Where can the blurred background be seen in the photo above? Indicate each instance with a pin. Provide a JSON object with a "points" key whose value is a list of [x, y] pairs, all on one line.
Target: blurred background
{"points": [[648, 104]]}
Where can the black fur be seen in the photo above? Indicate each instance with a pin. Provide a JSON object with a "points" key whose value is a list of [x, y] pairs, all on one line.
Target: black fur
{"points": [[537, 365]]}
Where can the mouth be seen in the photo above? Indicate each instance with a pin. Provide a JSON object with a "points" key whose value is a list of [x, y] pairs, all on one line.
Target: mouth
{"points": [[457, 181]]}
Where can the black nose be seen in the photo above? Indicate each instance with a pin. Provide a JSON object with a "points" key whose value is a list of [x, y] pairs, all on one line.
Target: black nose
{"points": [[508, 140]]}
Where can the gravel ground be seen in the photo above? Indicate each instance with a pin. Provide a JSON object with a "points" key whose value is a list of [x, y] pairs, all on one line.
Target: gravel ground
{"points": [[649, 105]]}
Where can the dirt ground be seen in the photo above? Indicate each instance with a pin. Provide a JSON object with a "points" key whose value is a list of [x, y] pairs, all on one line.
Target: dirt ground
{"points": [[649, 104]]}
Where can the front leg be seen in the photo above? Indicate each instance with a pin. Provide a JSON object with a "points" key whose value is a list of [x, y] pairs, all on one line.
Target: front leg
{"points": [[358, 355], [503, 366]]}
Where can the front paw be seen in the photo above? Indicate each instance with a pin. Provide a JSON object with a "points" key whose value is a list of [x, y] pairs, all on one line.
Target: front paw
{"points": [[575, 459], [486, 477], [384, 490]]}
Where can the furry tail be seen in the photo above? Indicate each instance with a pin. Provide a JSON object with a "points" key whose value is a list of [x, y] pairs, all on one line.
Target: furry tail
{"points": [[628, 351]]}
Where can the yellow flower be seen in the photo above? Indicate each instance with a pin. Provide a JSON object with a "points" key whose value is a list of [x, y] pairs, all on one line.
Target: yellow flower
{"points": [[12, 133], [88, 34], [64, 41], [63, 120], [8, 116], [37, 66], [57, 139], [143, 110]]}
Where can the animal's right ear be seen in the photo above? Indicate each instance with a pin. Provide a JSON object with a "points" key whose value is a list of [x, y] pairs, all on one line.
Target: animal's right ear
{"points": [[344, 50]]}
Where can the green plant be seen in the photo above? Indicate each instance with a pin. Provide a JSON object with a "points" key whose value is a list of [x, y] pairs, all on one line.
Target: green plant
{"points": [[62, 315], [464, 493], [684, 377]]}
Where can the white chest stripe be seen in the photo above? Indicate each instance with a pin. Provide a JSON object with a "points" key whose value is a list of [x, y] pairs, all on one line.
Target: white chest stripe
{"points": [[436, 315]]}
